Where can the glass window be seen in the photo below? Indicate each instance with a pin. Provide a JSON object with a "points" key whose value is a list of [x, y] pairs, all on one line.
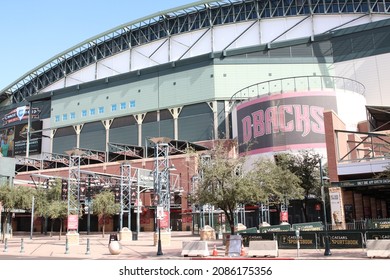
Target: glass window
{"points": [[57, 118], [65, 117], [123, 105], [113, 107], [132, 103], [72, 115], [84, 113], [92, 111], [101, 110]]}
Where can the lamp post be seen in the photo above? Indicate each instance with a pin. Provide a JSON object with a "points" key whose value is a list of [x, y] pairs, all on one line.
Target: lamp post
{"points": [[163, 202], [160, 213], [326, 239], [161, 182], [89, 205]]}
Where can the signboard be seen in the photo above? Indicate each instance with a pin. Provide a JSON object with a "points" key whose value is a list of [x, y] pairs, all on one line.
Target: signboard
{"points": [[13, 140], [289, 240], [379, 224], [283, 216], [274, 228], [246, 237], [160, 212], [138, 206], [362, 182], [382, 234], [19, 114], [233, 246], [335, 205], [73, 222], [163, 217], [164, 222], [345, 239], [315, 226], [282, 120]]}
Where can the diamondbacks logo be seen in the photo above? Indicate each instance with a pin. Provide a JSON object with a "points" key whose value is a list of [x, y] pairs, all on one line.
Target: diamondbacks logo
{"points": [[21, 113]]}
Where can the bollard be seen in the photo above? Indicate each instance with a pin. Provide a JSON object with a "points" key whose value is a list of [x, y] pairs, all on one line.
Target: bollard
{"points": [[88, 248], [5, 245], [66, 246], [22, 246]]}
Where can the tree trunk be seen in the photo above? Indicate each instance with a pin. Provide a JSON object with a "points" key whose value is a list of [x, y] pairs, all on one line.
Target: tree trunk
{"points": [[104, 226], [304, 207], [51, 228], [230, 218], [60, 229], [8, 224]]}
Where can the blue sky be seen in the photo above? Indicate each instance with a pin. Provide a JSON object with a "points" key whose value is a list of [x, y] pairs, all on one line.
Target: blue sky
{"points": [[34, 31]]}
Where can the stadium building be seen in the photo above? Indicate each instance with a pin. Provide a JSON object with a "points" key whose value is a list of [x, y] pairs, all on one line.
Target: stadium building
{"points": [[259, 72]]}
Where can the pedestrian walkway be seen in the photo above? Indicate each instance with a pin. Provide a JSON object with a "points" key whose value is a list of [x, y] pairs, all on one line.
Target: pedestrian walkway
{"points": [[95, 246]]}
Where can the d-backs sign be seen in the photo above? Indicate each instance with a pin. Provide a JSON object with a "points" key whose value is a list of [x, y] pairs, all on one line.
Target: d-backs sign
{"points": [[283, 121]]}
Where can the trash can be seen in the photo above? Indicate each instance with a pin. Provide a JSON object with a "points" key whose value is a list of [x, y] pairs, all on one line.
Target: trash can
{"points": [[135, 236], [113, 237]]}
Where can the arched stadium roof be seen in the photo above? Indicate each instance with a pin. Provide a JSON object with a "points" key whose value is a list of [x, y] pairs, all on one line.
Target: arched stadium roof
{"points": [[164, 24]]}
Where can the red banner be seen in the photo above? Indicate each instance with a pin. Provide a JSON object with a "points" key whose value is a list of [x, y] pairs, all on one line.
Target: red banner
{"points": [[164, 222], [73, 222], [284, 216]]}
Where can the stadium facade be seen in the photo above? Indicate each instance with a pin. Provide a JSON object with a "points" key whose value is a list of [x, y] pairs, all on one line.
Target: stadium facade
{"points": [[189, 76]]}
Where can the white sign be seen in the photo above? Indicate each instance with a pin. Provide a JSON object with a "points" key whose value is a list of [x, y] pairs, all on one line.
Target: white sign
{"points": [[160, 212], [335, 205]]}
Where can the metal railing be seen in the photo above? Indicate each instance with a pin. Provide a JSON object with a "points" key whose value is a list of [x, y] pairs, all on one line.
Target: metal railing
{"points": [[299, 83]]}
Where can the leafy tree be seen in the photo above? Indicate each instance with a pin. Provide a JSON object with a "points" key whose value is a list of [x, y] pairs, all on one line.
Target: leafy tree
{"points": [[49, 204], [104, 205], [277, 182], [385, 173], [58, 209], [225, 184], [41, 203], [15, 197], [305, 165]]}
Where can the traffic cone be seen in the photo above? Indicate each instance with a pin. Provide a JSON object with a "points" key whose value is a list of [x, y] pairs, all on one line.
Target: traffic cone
{"points": [[242, 253], [215, 252]]}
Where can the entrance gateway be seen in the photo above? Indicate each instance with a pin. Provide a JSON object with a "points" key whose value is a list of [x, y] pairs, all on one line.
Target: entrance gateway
{"points": [[355, 201]]}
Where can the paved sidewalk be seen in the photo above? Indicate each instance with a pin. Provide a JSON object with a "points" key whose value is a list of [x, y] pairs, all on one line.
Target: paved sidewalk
{"points": [[46, 247]]}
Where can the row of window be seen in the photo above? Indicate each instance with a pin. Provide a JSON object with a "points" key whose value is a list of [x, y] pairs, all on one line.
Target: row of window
{"points": [[92, 112]]}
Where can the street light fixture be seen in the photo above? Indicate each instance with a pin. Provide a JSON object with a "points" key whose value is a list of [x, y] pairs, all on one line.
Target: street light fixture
{"points": [[161, 203], [327, 251], [159, 247]]}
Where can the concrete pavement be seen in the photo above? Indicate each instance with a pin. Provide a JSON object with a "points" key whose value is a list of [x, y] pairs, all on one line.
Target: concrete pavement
{"points": [[95, 247]]}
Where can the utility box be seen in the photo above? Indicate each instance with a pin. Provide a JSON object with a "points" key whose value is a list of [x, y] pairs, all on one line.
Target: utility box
{"points": [[125, 234], [7, 169]]}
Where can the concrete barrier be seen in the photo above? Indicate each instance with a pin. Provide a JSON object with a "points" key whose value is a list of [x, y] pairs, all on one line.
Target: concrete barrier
{"points": [[378, 248], [195, 249], [263, 248]]}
